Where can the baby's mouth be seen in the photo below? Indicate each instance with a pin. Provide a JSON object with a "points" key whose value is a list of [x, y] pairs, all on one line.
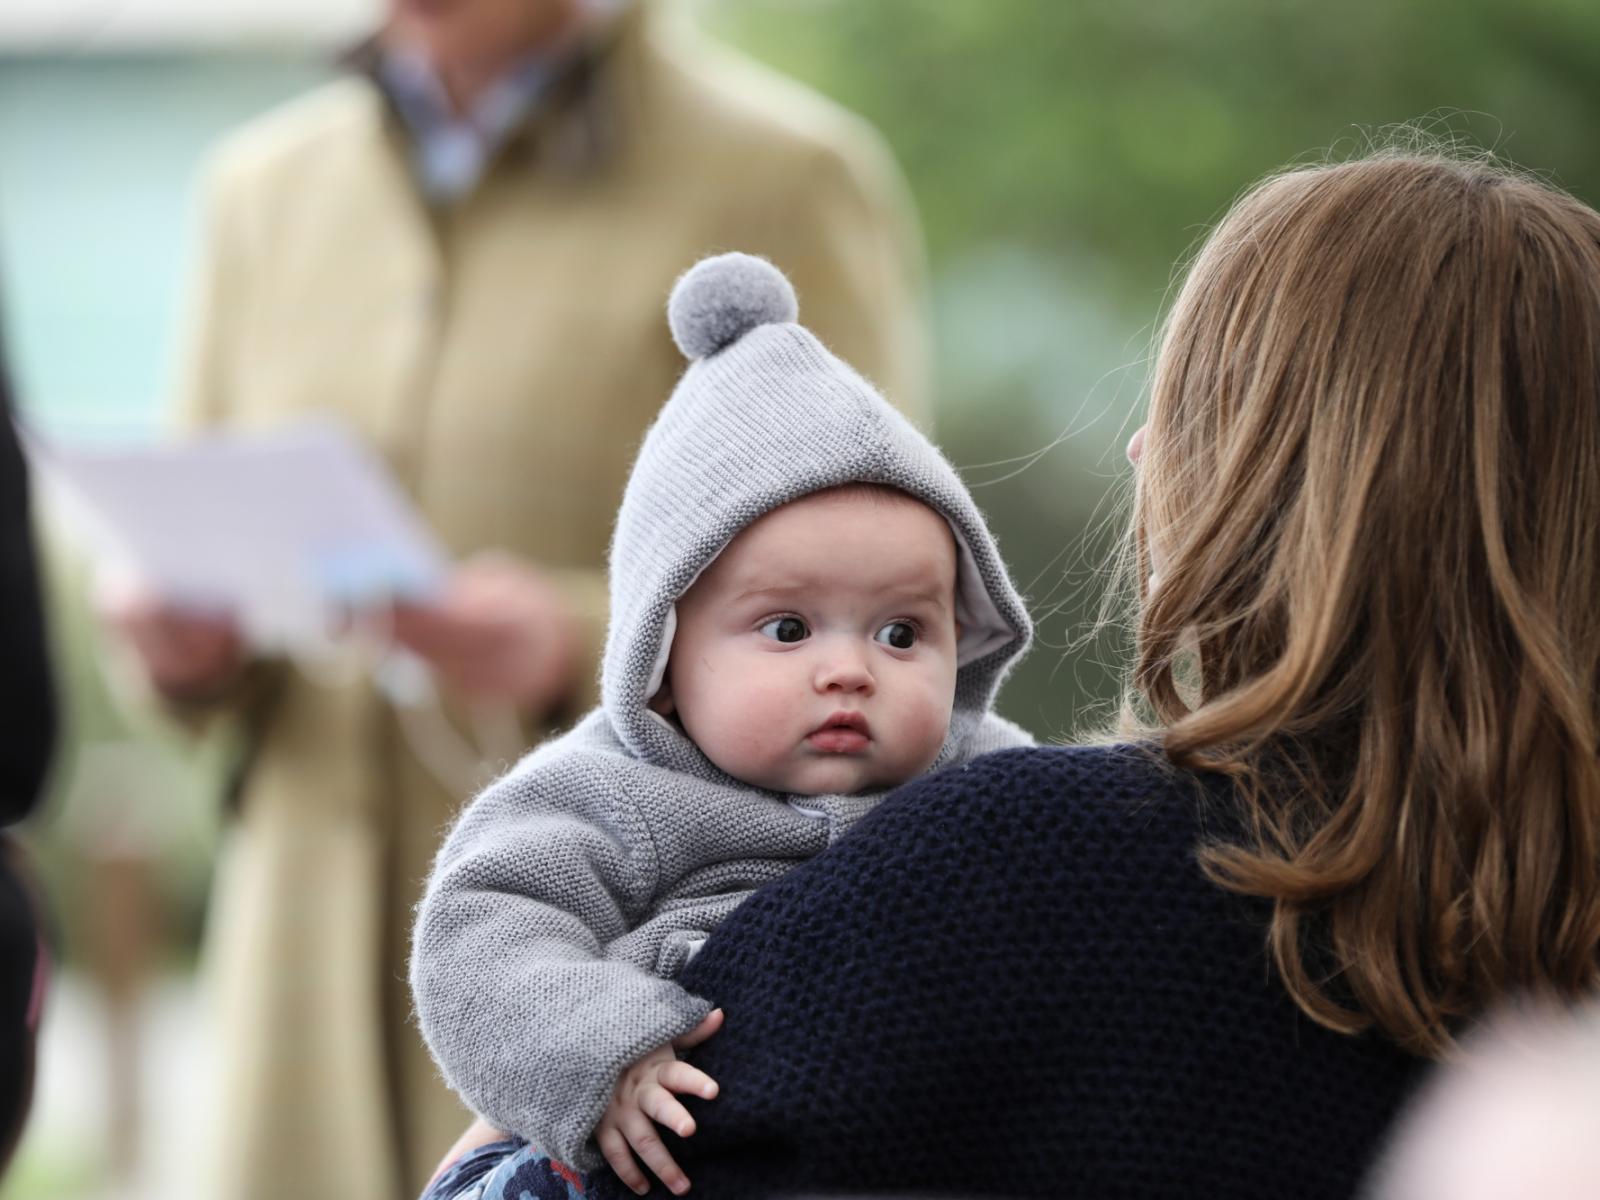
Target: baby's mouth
{"points": [[842, 733]]}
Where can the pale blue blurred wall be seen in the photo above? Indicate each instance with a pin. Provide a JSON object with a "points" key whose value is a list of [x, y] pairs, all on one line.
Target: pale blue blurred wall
{"points": [[98, 158]]}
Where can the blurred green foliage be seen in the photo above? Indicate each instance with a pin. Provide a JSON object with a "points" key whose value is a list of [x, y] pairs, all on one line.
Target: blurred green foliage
{"points": [[1066, 154], [1123, 126]]}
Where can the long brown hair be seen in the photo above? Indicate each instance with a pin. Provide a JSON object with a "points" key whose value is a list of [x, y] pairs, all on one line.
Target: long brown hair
{"points": [[1370, 494]]}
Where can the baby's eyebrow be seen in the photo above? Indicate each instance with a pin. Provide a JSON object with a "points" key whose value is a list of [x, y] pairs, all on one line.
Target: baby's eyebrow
{"points": [[934, 597], [776, 591]]}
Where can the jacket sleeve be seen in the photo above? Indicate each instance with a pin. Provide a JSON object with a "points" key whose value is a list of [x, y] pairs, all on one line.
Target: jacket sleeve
{"points": [[217, 295], [217, 301], [529, 1019]]}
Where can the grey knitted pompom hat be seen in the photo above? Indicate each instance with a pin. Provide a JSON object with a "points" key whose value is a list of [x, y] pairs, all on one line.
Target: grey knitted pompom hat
{"points": [[763, 415], [719, 300]]}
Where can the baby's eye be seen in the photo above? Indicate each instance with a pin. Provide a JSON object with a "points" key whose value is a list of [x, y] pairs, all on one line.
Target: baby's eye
{"points": [[902, 635], [786, 629]]}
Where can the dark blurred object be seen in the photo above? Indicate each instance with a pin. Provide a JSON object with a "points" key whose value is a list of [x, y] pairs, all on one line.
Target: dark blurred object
{"points": [[27, 692], [24, 967], [27, 736]]}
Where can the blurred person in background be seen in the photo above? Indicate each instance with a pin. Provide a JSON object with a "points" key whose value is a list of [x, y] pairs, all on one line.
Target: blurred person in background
{"points": [[27, 737], [1517, 1115], [463, 251]]}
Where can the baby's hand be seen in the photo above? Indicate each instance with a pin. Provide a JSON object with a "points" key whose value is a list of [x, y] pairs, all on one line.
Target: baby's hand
{"points": [[644, 1096]]}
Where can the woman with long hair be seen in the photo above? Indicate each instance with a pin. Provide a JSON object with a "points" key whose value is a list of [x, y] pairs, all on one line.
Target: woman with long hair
{"points": [[1370, 490], [1357, 801]]}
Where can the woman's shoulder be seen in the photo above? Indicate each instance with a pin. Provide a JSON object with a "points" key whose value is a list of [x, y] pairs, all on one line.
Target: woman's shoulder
{"points": [[1134, 766], [1127, 787], [1068, 821]]}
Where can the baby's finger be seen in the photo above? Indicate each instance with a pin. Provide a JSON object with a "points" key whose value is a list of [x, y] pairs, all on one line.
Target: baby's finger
{"points": [[709, 1025], [683, 1078], [662, 1107], [614, 1147], [646, 1141]]}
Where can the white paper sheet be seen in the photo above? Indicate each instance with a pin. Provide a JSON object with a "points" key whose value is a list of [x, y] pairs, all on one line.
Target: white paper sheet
{"points": [[282, 529]]}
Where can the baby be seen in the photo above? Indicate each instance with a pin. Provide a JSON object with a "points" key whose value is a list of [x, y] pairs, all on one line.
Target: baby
{"points": [[807, 610]]}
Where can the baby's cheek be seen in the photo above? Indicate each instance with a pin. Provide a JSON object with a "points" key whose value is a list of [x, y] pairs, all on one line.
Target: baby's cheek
{"points": [[753, 717], [928, 726]]}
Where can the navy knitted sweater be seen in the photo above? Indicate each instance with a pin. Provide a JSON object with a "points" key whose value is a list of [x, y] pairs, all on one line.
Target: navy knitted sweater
{"points": [[1012, 980]]}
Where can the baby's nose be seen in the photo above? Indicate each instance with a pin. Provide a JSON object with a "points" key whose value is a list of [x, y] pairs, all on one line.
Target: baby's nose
{"points": [[844, 668]]}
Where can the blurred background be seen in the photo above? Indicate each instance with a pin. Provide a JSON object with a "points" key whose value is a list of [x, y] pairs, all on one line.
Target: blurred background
{"points": [[1063, 156]]}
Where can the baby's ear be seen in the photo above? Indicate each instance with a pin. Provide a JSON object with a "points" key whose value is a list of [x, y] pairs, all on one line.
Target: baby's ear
{"points": [[661, 702]]}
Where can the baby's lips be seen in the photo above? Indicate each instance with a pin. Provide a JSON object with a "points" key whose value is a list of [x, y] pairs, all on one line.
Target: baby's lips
{"points": [[839, 739], [845, 719]]}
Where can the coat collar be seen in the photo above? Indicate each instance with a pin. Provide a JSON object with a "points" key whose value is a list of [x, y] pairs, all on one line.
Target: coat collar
{"points": [[575, 128]]}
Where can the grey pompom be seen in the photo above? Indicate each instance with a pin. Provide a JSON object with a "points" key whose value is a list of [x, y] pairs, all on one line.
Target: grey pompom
{"points": [[719, 300]]}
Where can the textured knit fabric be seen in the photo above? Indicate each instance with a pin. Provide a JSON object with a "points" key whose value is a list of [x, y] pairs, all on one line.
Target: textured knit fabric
{"points": [[1012, 980], [573, 890]]}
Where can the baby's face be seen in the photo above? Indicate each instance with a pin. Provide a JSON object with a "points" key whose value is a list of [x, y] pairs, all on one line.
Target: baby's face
{"points": [[817, 653]]}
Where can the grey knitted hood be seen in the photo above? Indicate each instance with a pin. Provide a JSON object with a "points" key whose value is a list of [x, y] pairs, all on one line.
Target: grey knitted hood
{"points": [[764, 415]]}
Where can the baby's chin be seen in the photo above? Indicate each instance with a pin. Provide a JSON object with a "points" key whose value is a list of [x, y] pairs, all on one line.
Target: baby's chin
{"points": [[837, 779]]}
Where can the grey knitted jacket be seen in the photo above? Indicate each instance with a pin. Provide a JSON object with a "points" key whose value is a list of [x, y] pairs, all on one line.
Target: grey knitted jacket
{"points": [[571, 891]]}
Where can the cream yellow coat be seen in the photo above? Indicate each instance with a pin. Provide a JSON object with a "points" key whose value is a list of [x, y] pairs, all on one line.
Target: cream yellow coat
{"points": [[504, 356]]}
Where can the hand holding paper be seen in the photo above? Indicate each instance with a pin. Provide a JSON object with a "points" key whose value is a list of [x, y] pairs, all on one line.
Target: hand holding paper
{"points": [[278, 539], [499, 631], [187, 655], [280, 532]]}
